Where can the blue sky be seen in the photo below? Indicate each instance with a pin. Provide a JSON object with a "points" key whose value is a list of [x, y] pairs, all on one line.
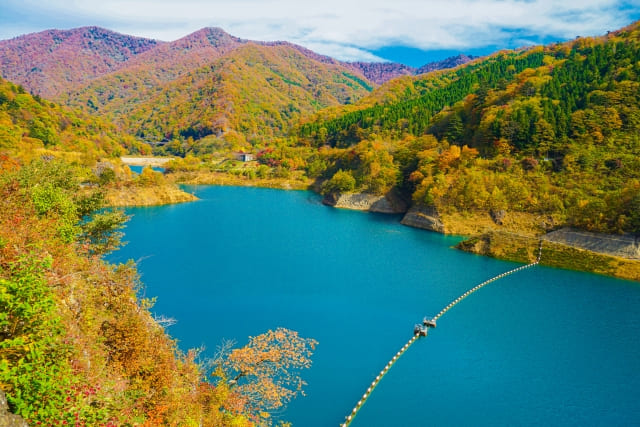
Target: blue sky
{"points": [[409, 31]]}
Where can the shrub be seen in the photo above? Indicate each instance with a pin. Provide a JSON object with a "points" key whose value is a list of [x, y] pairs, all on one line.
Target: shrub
{"points": [[529, 163], [340, 182]]}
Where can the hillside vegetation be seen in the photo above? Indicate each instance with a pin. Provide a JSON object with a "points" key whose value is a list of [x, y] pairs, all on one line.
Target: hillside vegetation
{"points": [[77, 344], [253, 93], [207, 83], [551, 131], [78, 347], [138, 80], [31, 126]]}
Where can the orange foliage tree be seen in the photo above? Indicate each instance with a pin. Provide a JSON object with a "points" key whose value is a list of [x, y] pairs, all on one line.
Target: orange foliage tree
{"points": [[265, 374]]}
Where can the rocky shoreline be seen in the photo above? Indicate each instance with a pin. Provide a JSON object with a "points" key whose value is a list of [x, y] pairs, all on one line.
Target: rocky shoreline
{"points": [[390, 203], [7, 419], [521, 248], [594, 252], [613, 255], [423, 217]]}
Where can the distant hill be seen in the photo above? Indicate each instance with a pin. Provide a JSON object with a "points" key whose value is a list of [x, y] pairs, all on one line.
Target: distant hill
{"points": [[245, 90], [252, 93], [135, 82], [382, 72], [166, 61], [54, 63], [51, 62], [450, 62]]}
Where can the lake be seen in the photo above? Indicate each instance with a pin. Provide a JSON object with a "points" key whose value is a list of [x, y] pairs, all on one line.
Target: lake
{"points": [[540, 347], [137, 169]]}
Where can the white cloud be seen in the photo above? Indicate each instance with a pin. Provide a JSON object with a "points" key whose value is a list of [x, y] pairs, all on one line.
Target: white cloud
{"points": [[346, 29], [343, 52]]}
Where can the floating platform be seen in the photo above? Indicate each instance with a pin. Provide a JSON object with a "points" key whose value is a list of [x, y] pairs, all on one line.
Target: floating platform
{"points": [[429, 323], [420, 330]]}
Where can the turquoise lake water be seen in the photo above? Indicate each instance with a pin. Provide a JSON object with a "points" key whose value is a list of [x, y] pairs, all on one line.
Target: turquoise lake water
{"points": [[138, 169], [541, 347]]}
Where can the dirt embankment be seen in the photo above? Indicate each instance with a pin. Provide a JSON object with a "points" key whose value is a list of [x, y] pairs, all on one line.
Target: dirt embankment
{"points": [[147, 196], [219, 178]]}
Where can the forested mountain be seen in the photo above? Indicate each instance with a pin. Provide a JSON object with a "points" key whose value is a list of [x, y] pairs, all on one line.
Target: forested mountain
{"points": [[31, 125], [52, 62], [246, 91], [451, 62], [258, 92], [120, 91], [408, 104], [169, 60], [137, 80], [251, 92], [551, 131], [562, 76], [382, 72]]}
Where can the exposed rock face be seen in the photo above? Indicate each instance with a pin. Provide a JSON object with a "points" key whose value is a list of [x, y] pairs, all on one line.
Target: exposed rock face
{"points": [[497, 216], [623, 246], [7, 419], [425, 217], [521, 248], [390, 203]]}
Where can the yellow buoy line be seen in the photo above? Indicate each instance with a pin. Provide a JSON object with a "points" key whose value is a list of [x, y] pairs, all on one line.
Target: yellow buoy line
{"points": [[422, 332]]}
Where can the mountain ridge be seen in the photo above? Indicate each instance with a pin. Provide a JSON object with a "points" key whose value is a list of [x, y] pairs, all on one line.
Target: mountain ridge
{"points": [[382, 72], [254, 84], [52, 63]]}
